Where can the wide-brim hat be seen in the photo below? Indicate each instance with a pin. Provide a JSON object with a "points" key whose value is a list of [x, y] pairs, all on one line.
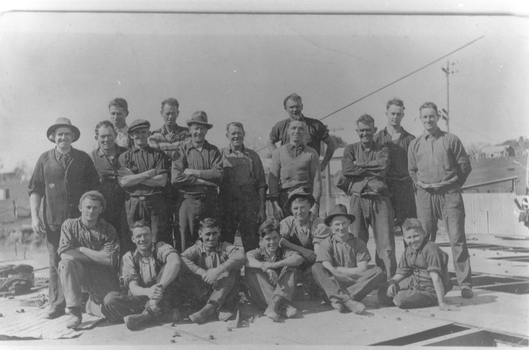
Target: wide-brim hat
{"points": [[59, 123], [338, 210], [299, 192], [199, 117]]}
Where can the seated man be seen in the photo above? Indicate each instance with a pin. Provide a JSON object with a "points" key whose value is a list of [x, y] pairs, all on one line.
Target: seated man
{"points": [[150, 274], [302, 232], [422, 276], [341, 265], [270, 272], [89, 252], [215, 268]]}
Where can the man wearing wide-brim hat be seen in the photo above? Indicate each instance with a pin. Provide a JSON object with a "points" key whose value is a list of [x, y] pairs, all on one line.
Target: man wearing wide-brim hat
{"points": [[341, 265], [143, 175], [196, 172], [60, 178]]}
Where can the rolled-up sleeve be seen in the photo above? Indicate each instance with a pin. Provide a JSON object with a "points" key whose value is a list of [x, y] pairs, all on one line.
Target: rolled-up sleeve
{"points": [[258, 171], [190, 257], [37, 183]]}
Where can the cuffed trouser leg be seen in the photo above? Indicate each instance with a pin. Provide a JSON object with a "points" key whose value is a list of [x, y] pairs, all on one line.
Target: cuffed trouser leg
{"points": [[328, 283], [56, 295], [369, 281], [117, 305]]}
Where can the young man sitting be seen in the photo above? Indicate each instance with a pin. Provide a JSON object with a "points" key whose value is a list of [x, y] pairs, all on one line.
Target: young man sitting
{"points": [[89, 252], [215, 268], [270, 272], [422, 276], [341, 265], [150, 274]]}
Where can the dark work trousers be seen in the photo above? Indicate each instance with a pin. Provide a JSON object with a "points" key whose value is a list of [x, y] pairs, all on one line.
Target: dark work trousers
{"points": [[343, 291], [78, 277], [115, 213], [447, 205], [117, 305], [225, 293], [262, 290], [151, 209], [241, 212], [402, 196], [56, 295], [193, 208], [411, 297], [171, 199], [377, 212]]}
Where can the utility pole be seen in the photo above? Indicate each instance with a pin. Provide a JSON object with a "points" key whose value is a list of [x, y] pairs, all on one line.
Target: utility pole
{"points": [[448, 71]]}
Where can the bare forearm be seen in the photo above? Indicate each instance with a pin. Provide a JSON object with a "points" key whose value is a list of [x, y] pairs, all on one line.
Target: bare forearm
{"points": [[34, 203], [156, 181], [252, 262], [75, 255], [99, 257], [438, 286], [271, 146], [294, 260], [354, 272], [171, 269], [131, 180], [138, 291]]}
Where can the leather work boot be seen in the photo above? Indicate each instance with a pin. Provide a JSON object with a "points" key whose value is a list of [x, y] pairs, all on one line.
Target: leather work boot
{"points": [[273, 305], [53, 314], [202, 316], [291, 311], [355, 306], [466, 292], [76, 318], [136, 321], [338, 306]]}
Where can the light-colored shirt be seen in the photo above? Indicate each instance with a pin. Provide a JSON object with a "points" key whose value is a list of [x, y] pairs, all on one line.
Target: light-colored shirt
{"points": [[313, 232], [122, 137], [347, 253], [198, 257]]}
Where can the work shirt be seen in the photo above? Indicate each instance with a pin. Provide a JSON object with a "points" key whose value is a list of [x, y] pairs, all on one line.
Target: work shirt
{"points": [[398, 152], [107, 168], [243, 172], [198, 257], [62, 187], [145, 270], [102, 236], [168, 141], [316, 132], [347, 253], [139, 160], [418, 264], [122, 137], [261, 255], [367, 175], [438, 158], [291, 170], [313, 232], [208, 160]]}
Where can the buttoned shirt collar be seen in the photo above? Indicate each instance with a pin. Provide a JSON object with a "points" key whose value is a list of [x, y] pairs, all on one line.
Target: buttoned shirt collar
{"points": [[349, 240], [189, 144], [203, 250], [435, 135], [138, 252], [412, 251]]}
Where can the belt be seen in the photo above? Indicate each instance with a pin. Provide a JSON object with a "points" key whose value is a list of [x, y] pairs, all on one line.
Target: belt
{"points": [[143, 197]]}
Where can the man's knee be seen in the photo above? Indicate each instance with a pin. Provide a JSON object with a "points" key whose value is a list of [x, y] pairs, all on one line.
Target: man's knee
{"points": [[112, 298]]}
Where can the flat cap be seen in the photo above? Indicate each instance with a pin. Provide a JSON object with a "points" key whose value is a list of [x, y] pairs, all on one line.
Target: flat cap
{"points": [[139, 124]]}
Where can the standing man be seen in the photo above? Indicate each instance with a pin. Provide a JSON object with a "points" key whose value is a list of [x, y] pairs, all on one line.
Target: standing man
{"points": [[60, 178], [119, 110], [89, 251], [105, 159], [196, 173], [143, 174], [316, 132], [400, 186], [167, 139], [439, 166], [294, 165], [242, 190], [365, 164]]}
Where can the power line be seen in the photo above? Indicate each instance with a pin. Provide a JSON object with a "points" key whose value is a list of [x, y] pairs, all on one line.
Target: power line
{"points": [[396, 81]]}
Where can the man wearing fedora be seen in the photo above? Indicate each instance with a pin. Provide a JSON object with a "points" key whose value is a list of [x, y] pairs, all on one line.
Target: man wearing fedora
{"points": [[60, 178], [365, 165], [294, 165], [302, 231], [341, 265], [196, 172], [143, 174]]}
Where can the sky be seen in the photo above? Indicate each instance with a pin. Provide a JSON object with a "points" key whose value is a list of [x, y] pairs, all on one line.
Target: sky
{"points": [[240, 67]]}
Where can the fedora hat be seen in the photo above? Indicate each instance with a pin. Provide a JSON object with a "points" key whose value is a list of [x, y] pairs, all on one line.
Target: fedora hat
{"points": [[199, 117], [299, 192], [338, 210], [62, 122]]}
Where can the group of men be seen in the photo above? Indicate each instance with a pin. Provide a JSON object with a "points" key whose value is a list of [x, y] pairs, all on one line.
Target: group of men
{"points": [[161, 209]]}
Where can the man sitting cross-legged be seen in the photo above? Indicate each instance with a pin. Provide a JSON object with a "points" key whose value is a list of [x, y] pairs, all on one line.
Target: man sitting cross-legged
{"points": [[422, 276], [270, 272], [149, 272], [341, 266], [215, 268], [89, 252]]}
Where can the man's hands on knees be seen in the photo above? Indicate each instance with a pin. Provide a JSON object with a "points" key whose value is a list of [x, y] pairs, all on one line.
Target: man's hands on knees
{"points": [[211, 276], [155, 292]]}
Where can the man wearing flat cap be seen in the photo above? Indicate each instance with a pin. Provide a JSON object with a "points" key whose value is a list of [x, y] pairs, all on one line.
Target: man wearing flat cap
{"points": [[60, 178], [196, 173], [89, 250], [143, 173], [341, 265]]}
